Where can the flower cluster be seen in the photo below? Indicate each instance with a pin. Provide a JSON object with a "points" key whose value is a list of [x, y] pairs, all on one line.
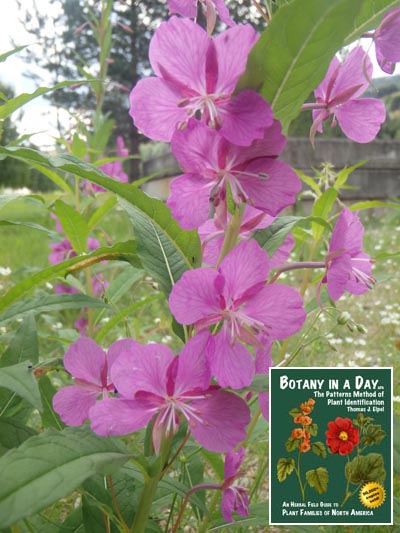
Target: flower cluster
{"points": [[302, 435]]}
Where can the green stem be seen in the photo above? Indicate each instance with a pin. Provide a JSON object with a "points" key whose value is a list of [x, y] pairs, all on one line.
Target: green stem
{"points": [[299, 477], [231, 234], [210, 509]]}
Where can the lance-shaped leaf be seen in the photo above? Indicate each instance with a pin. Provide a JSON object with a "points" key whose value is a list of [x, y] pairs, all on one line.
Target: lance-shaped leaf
{"points": [[165, 250], [293, 54], [321, 209], [74, 226], [50, 303], [123, 251], [369, 17], [50, 466], [318, 479], [20, 379], [24, 345], [13, 433]]}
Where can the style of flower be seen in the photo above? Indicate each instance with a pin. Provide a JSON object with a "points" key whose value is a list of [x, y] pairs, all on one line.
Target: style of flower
{"points": [[212, 234], [114, 169], [236, 295], [210, 8], [234, 497], [90, 367], [387, 41], [348, 267], [153, 383], [196, 76], [359, 118], [212, 165], [342, 436]]}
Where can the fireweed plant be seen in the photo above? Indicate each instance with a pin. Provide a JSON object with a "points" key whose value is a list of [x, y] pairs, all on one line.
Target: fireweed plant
{"points": [[159, 436]]}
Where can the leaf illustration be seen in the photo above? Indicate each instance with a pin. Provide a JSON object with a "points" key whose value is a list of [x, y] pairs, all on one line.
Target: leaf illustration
{"points": [[284, 468]]}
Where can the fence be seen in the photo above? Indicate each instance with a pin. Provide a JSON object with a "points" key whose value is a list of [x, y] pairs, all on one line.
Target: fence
{"points": [[378, 178]]}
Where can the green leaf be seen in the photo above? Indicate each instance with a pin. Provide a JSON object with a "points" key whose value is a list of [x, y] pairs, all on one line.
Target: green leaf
{"points": [[50, 303], [319, 449], [20, 379], [318, 479], [292, 444], [364, 468], [9, 53], [284, 468], [215, 461], [165, 249], [50, 466], [101, 212], [256, 521], [32, 225], [369, 17], [313, 429], [272, 237], [74, 226], [372, 434], [369, 204], [293, 54], [13, 433], [343, 175], [24, 345], [53, 176], [321, 209], [49, 417], [308, 180], [15, 103], [124, 251]]}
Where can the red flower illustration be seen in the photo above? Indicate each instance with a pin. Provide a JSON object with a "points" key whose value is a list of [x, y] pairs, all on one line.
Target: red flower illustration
{"points": [[342, 436]]}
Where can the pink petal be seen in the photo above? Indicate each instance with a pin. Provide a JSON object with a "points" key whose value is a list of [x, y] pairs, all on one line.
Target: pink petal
{"points": [[85, 360], [178, 53], [118, 348], [270, 145], [245, 117], [231, 364], [279, 307], [263, 355], [387, 36], [263, 401], [143, 368], [274, 193], [347, 233], [186, 8], [234, 499], [361, 262], [338, 275], [386, 65], [196, 148], [193, 368], [154, 108], [184, 190], [321, 91], [115, 416], [223, 12], [245, 267], [73, 403], [351, 72], [233, 461], [233, 47], [196, 296], [361, 119], [225, 417]]}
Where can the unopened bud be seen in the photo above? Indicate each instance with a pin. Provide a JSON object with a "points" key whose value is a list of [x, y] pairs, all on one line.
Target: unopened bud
{"points": [[361, 328], [343, 318], [350, 326]]}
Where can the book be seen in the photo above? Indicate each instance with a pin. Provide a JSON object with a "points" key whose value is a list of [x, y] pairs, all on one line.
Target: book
{"points": [[331, 446]]}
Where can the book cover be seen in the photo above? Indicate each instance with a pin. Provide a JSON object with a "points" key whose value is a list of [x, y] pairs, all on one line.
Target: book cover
{"points": [[331, 446]]}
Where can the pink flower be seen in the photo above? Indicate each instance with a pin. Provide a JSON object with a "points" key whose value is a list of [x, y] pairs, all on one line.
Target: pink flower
{"points": [[348, 267], [387, 41], [236, 295], [211, 164], [114, 169], [90, 367], [152, 382], [212, 236], [359, 118], [234, 498], [61, 251], [188, 8], [197, 75]]}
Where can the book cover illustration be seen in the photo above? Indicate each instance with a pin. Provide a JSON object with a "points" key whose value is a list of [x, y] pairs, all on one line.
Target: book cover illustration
{"points": [[331, 446]]}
